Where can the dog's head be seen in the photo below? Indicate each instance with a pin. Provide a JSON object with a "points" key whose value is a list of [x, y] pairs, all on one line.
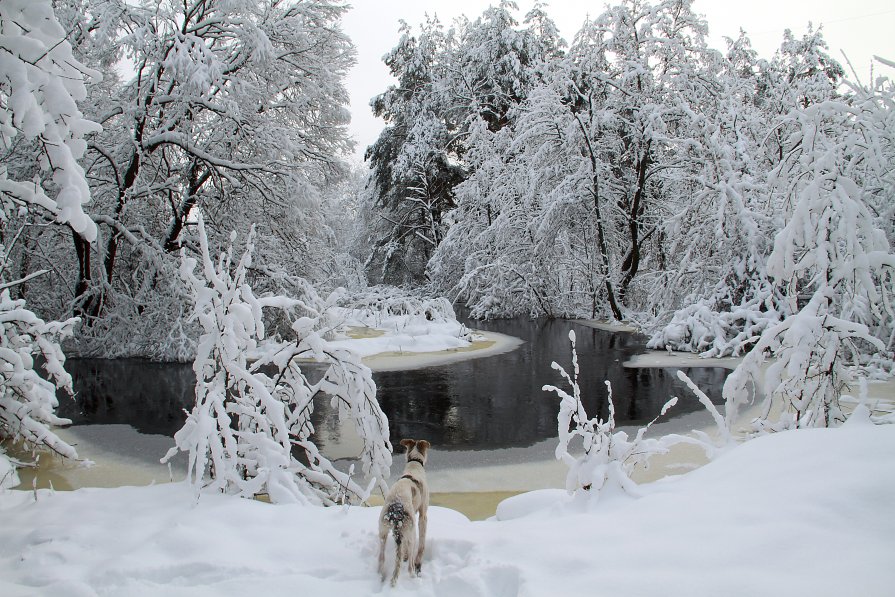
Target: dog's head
{"points": [[416, 449]]}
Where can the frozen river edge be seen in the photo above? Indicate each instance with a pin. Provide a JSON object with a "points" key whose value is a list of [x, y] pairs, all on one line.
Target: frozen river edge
{"points": [[510, 470]]}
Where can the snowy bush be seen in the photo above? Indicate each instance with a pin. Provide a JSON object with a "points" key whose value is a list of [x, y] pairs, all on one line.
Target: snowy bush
{"points": [[610, 456], [388, 301], [27, 398], [834, 251], [712, 332], [803, 385], [382, 306], [150, 318], [247, 422]]}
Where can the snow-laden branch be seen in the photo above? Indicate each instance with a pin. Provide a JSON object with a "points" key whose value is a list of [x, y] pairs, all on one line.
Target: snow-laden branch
{"points": [[609, 455], [242, 430], [28, 399], [40, 86]]}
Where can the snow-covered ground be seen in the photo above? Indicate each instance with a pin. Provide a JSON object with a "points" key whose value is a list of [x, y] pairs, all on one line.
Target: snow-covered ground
{"points": [[798, 513]]}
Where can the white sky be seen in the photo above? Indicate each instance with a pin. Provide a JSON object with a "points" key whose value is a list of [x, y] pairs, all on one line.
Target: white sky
{"points": [[861, 28]]}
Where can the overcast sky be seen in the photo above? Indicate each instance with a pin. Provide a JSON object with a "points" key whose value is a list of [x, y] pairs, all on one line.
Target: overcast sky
{"points": [[861, 28]]}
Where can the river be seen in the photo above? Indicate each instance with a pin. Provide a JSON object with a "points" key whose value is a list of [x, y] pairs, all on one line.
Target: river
{"points": [[485, 403]]}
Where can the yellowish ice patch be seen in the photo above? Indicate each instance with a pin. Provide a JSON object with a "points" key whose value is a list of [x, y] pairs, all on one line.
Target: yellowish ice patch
{"points": [[477, 345], [359, 333]]}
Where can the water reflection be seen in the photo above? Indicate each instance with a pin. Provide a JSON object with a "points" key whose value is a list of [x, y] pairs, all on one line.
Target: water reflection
{"points": [[499, 402], [148, 396], [488, 403]]}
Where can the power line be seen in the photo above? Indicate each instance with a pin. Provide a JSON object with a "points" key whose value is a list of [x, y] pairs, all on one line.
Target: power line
{"points": [[828, 22]]}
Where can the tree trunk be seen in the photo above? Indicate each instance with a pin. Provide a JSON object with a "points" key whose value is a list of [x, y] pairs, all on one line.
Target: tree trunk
{"points": [[86, 304], [631, 263], [601, 237], [182, 212]]}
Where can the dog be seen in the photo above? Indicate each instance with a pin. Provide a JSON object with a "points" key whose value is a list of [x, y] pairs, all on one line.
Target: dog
{"points": [[406, 498]]}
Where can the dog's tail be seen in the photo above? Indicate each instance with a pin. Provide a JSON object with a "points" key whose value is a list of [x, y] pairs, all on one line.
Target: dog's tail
{"points": [[395, 514]]}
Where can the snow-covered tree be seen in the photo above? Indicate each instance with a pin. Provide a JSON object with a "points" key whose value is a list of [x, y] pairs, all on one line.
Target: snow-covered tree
{"points": [[28, 397], [42, 135], [41, 83], [832, 259], [449, 82], [237, 108], [597, 160], [249, 425]]}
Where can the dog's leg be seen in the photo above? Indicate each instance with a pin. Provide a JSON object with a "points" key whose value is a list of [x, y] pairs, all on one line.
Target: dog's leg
{"points": [[410, 541], [418, 560], [383, 537]]}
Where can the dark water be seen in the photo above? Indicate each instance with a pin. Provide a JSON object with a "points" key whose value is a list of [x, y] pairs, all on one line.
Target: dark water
{"points": [[487, 403]]}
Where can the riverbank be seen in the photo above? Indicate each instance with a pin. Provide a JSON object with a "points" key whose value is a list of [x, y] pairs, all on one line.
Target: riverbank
{"points": [[468, 479]]}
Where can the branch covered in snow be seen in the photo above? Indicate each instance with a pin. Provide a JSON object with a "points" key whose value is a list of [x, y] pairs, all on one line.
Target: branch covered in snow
{"points": [[609, 455], [40, 86], [246, 423], [27, 398]]}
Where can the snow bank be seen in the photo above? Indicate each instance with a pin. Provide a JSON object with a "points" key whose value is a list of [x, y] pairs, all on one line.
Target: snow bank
{"points": [[395, 323], [383, 357], [808, 512], [392, 330]]}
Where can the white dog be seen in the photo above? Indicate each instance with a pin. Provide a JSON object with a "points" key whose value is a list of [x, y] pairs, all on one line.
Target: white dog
{"points": [[407, 497]]}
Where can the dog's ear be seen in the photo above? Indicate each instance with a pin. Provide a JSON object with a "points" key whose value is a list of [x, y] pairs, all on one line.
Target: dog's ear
{"points": [[423, 446], [408, 443]]}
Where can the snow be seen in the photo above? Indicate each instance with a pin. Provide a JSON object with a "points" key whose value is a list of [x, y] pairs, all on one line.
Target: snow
{"points": [[806, 512], [661, 358], [410, 336], [608, 326], [440, 349]]}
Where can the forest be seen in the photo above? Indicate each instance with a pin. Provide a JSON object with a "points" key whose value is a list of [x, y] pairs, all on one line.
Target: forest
{"points": [[722, 202], [177, 185]]}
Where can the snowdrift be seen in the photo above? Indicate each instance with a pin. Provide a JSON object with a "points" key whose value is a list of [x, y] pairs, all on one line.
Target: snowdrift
{"points": [[809, 512]]}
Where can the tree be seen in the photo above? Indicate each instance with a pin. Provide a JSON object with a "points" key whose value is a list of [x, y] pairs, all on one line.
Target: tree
{"points": [[719, 291], [41, 136], [598, 159], [245, 423], [831, 258], [234, 108], [450, 83]]}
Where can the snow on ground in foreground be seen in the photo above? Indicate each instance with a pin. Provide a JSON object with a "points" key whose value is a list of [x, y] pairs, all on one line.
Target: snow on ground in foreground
{"points": [[798, 513]]}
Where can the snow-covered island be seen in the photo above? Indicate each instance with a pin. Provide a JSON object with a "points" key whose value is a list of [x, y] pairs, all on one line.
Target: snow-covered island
{"points": [[410, 334]]}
